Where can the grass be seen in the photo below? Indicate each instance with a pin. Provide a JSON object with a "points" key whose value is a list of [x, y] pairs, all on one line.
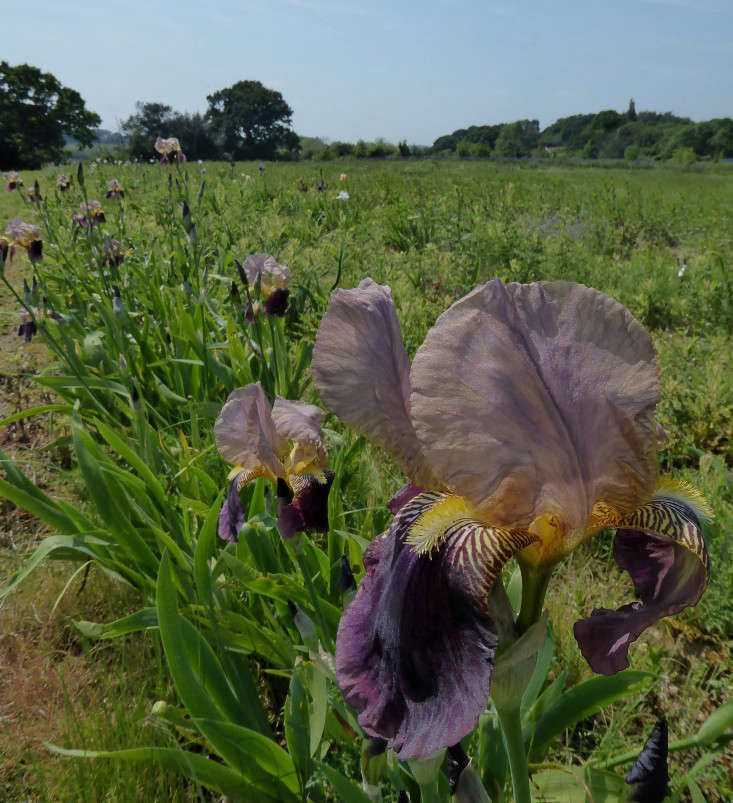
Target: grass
{"points": [[432, 231]]}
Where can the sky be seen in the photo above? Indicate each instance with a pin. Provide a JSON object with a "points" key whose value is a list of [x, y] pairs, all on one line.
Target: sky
{"points": [[399, 70]]}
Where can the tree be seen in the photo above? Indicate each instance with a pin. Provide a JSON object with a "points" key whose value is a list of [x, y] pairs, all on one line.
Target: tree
{"points": [[251, 121], [631, 111], [154, 120], [518, 139], [151, 120], [36, 110]]}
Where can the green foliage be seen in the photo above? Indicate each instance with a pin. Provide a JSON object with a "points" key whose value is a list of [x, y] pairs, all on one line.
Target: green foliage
{"points": [[251, 121], [140, 374], [36, 110]]}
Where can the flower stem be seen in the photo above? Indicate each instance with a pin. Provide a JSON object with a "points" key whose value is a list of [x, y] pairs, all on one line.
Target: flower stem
{"points": [[511, 727], [535, 580]]}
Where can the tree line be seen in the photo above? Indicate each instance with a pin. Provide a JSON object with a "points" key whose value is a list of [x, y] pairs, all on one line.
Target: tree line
{"points": [[40, 120], [606, 134]]}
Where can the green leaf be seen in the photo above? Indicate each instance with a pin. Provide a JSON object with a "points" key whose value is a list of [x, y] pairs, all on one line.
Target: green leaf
{"points": [[346, 791], [695, 792], [716, 724], [297, 727], [539, 675], [262, 762], [203, 770], [579, 786], [29, 412], [144, 619], [579, 702]]}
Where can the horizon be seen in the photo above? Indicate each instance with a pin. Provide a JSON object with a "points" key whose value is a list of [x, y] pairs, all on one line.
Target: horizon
{"points": [[321, 56]]}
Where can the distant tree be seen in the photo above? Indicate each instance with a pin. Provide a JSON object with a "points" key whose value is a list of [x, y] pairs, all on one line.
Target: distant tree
{"points": [[518, 139], [403, 148], [631, 111], [251, 121], [153, 120], [36, 110]]}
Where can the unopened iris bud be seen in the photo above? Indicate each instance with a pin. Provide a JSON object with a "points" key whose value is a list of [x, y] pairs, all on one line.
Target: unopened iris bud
{"points": [[373, 765], [649, 776]]}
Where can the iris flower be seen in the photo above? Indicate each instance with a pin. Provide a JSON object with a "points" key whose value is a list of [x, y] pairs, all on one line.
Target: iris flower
{"points": [[114, 189], [91, 213], [23, 235], [169, 149], [283, 443], [525, 425], [274, 280], [14, 180], [63, 182]]}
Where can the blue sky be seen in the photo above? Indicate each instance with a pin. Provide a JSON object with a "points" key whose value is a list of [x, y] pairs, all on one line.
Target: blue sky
{"points": [[403, 70]]}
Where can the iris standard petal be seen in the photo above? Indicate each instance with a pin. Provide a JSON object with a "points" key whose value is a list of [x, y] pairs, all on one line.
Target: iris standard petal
{"points": [[245, 432], [362, 372], [308, 509], [661, 546], [415, 648], [301, 423], [534, 399]]}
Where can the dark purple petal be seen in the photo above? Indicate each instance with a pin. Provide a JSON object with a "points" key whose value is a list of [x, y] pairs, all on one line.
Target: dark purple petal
{"points": [[402, 497], [231, 515], [277, 302], [669, 572], [26, 330], [415, 648], [649, 775], [35, 250], [3, 251], [309, 507]]}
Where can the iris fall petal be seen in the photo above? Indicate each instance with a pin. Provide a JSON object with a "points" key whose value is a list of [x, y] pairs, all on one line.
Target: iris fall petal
{"points": [[415, 648], [662, 548]]}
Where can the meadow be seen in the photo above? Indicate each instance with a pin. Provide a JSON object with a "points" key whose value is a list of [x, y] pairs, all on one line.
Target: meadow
{"points": [[127, 625]]}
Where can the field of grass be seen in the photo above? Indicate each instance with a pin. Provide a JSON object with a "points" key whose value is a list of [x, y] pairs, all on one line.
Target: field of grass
{"points": [[126, 391]]}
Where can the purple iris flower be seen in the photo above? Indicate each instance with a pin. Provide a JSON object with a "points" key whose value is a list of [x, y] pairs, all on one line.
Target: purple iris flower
{"points": [[169, 150], [14, 180], [114, 190], [22, 235], [283, 443], [525, 424], [273, 280]]}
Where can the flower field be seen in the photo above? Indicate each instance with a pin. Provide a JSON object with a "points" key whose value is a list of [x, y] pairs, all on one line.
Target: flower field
{"points": [[209, 418]]}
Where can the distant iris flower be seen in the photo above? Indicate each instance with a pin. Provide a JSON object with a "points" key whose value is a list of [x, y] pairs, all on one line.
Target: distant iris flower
{"points": [[273, 279], [114, 190], [23, 235], [342, 177], [525, 425], [27, 325], [91, 213], [14, 180], [169, 150], [343, 196], [63, 182], [283, 443]]}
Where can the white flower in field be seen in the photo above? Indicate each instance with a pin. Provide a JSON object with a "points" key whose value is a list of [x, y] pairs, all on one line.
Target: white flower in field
{"points": [[342, 177], [343, 196], [246, 177], [152, 161], [681, 271], [201, 161]]}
